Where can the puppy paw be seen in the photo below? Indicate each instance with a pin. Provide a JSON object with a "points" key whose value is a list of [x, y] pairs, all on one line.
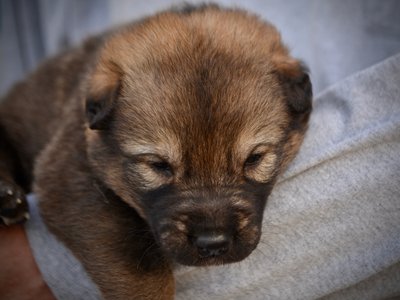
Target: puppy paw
{"points": [[13, 204]]}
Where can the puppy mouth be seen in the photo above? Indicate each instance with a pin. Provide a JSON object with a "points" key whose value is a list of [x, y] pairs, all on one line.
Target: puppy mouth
{"points": [[208, 248], [210, 260], [213, 254]]}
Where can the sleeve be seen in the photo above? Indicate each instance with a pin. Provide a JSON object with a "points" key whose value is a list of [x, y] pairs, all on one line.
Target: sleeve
{"points": [[60, 269]]}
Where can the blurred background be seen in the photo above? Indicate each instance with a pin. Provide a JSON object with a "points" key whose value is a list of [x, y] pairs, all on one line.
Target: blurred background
{"points": [[335, 38]]}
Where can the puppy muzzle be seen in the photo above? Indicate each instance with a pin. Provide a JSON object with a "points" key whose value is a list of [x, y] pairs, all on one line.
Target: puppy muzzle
{"points": [[209, 235]]}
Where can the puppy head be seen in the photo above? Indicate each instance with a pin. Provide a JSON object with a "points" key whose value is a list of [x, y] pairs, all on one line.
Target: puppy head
{"points": [[191, 117]]}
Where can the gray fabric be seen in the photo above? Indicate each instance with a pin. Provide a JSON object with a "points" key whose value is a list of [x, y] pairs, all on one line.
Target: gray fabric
{"points": [[332, 224], [60, 269]]}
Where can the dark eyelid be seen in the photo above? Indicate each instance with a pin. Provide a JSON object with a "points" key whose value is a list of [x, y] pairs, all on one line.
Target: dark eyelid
{"points": [[253, 159], [162, 167]]}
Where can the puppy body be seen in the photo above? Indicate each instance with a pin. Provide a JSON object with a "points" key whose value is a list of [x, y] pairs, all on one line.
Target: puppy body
{"points": [[187, 117]]}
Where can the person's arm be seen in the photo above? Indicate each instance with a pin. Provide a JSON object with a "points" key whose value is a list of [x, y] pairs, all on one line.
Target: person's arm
{"points": [[20, 278]]}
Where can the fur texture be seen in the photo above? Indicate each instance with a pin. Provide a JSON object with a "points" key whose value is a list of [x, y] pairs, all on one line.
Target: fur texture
{"points": [[158, 142]]}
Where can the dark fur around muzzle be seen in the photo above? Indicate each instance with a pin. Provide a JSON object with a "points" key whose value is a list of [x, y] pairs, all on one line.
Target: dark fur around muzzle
{"points": [[207, 226]]}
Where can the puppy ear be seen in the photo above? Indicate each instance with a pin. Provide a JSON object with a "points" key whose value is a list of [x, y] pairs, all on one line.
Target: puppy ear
{"points": [[99, 108], [104, 89], [297, 86], [300, 93]]}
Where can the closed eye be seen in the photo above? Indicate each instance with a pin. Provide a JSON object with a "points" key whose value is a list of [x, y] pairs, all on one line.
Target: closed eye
{"points": [[253, 159], [162, 167]]}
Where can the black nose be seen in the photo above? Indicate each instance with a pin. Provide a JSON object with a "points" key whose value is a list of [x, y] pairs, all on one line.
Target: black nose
{"points": [[211, 244]]}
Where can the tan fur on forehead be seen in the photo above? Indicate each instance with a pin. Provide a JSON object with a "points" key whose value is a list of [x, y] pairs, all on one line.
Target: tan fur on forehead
{"points": [[234, 32], [161, 62], [170, 32]]}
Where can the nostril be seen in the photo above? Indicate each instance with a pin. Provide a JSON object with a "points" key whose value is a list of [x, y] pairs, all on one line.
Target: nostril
{"points": [[212, 244]]}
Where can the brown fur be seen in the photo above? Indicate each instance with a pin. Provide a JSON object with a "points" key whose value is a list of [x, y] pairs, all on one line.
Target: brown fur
{"points": [[187, 117]]}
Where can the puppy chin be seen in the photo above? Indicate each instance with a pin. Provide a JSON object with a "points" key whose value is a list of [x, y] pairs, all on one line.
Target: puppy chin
{"points": [[193, 259]]}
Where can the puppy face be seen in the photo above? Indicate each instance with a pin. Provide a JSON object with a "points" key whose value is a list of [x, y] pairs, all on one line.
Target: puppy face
{"points": [[191, 118]]}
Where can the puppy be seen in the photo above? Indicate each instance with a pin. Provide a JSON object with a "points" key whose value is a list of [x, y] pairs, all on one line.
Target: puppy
{"points": [[156, 143]]}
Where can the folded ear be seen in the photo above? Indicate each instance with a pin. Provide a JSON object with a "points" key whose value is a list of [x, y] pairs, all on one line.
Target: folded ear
{"points": [[296, 85], [299, 94], [99, 108], [104, 89]]}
